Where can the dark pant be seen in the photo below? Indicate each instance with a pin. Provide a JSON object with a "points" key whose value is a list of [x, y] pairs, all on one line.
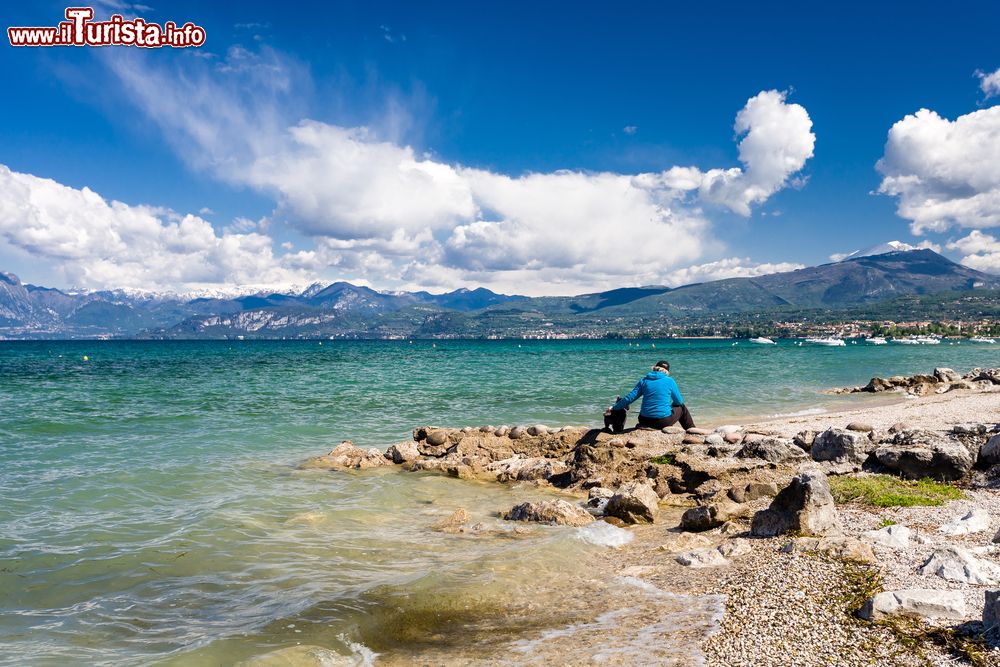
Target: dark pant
{"points": [[680, 414]]}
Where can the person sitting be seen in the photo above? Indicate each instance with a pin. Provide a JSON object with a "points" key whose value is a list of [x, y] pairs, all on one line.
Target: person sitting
{"points": [[662, 403]]}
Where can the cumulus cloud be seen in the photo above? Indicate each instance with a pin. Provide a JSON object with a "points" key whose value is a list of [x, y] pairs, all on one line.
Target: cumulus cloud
{"points": [[732, 267], [989, 83], [944, 173], [980, 251], [98, 243], [381, 210]]}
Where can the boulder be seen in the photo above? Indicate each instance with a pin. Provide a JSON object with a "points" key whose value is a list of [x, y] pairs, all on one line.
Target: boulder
{"points": [[975, 520], [844, 548], [860, 427], [946, 375], [706, 517], [804, 440], [634, 502], [403, 452], [894, 537], [348, 456], [772, 450], [557, 512], [841, 446], [538, 429], [752, 491], [700, 558], [989, 455], [958, 564], [734, 548], [918, 454], [437, 437], [915, 603], [805, 505], [453, 523], [991, 611]]}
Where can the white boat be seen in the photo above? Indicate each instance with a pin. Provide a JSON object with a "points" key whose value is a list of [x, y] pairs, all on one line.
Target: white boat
{"points": [[763, 341], [877, 340], [829, 341], [981, 339], [918, 340]]}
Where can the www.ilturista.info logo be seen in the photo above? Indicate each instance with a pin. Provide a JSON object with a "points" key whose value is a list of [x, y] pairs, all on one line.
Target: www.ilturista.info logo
{"points": [[79, 29]]}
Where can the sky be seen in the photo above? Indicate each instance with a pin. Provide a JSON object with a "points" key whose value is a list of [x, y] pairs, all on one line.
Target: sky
{"points": [[532, 148]]}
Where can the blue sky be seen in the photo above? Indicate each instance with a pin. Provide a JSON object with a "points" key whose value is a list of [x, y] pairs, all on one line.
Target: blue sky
{"points": [[530, 123]]}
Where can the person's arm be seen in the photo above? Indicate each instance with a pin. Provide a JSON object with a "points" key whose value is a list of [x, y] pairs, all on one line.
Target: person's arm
{"points": [[629, 398], [675, 394]]}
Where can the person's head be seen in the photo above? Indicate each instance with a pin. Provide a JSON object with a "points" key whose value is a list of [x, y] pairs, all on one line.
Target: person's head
{"points": [[662, 366]]}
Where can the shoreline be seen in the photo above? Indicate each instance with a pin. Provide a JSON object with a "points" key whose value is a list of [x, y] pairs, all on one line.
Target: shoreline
{"points": [[770, 583]]}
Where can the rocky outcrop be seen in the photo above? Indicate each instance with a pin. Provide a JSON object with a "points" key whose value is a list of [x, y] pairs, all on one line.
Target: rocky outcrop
{"points": [[403, 452], [842, 446], [805, 505], [347, 456], [917, 454], [941, 380], [634, 502], [915, 603], [555, 512], [958, 564]]}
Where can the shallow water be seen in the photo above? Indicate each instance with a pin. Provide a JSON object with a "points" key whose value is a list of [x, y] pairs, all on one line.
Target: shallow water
{"points": [[150, 509]]}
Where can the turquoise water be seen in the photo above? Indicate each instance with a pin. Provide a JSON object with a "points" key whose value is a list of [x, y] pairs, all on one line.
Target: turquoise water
{"points": [[150, 508]]}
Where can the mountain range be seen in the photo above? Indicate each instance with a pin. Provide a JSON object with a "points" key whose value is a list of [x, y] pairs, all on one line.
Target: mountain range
{"points": [[863, 281]]}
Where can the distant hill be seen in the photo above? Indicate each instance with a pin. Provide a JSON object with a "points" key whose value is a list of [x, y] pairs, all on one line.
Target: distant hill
{"points": [[857, 284]]}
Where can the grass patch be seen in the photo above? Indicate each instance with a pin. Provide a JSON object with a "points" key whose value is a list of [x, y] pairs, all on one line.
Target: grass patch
{"points": [[889, 491], [886, 522], [664, 459]]}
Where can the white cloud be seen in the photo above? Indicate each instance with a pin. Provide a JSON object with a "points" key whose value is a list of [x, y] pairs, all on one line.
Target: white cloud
{"points": [[630, 129], [981, 251], [107, 244], [380, 210], [989, 83], [944, 173], [732, 267]]}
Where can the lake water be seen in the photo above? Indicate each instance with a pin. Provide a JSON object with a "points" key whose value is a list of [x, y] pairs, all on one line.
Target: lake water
{"points": [[151, 511]]}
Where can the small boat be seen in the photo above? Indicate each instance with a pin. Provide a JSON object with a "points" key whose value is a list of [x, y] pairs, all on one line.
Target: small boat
{"points": [[829, 341], [981, 339], [762, 341], [877, 340], [918, 340]]}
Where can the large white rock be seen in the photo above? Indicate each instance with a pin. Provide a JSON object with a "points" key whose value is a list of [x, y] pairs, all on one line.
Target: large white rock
{"points": [[702, 558], [894, 537], [958, 564], [975, 521], [917, 603]]}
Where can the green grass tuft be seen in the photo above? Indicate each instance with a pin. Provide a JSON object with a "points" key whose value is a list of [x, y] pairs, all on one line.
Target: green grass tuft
{"points": [[889, 491], [664, 459], [886, 522]]}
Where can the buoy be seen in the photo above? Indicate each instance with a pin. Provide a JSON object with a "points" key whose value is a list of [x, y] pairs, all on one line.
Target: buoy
{"points": [[321, 342], [86, 358]]}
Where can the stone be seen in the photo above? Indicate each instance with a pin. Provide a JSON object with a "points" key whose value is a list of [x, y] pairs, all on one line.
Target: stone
{"points": [[804, 440], [348, 456], [673, 429], [693, 439], [844, 548], [975, 520], [753, 491], [685, 542], [303, 655], [805, 505], [706, 517], [989, 455], [730, 528], [517, 432], [841, 446], [538, 429], [700, 558], [733, 438], [899, 427], [715, 439], [894, 537], [957, 564], [728, 428], [453, 523], [437, 437], [946, 375], [991, 612], [634, 502], [735, 548], [557, 512], [918, 454], [699, 431], [524, 469], [403, 452], [915, 603], [772, 450], [860, 427], [501, 431]]}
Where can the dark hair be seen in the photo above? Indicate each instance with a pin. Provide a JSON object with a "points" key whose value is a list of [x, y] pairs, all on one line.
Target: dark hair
{"points": [[663, 363]]}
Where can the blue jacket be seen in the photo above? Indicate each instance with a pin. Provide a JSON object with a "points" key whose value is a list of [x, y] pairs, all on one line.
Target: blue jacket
{"points": [[659, 394]]}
